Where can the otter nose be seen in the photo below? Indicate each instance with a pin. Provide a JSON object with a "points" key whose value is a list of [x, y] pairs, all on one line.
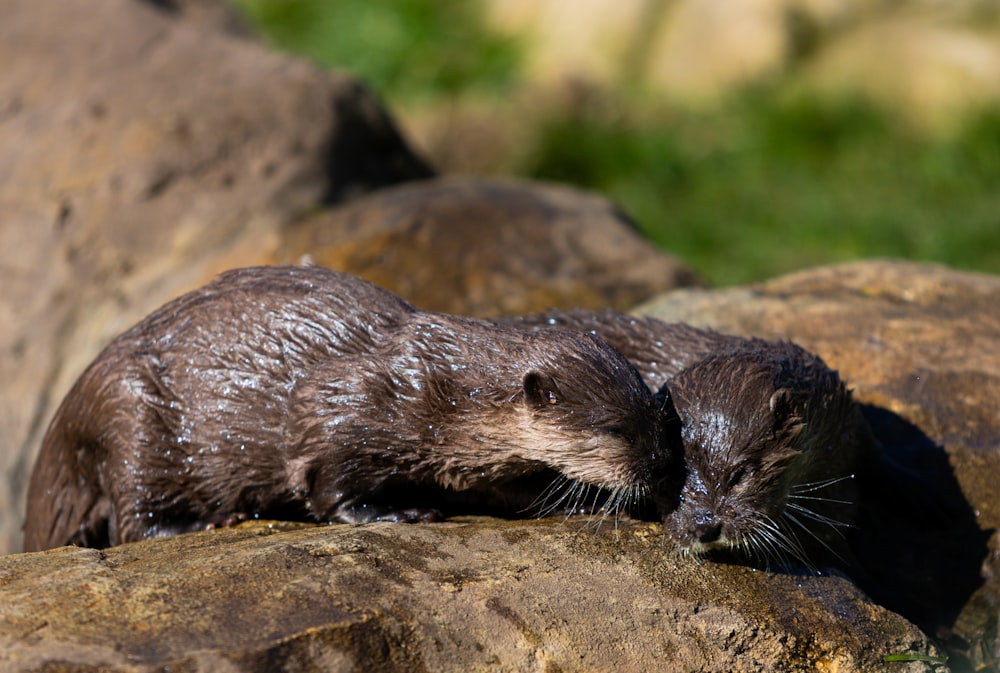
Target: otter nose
{"points": [[708, 532], [706, 527]]}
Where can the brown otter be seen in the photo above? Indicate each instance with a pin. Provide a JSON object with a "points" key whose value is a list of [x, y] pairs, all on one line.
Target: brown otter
{"points": [[300, 392], [771, 435]]}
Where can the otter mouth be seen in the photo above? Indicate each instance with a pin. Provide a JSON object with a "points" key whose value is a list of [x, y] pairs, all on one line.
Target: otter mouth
{"points": [[700, 548]]}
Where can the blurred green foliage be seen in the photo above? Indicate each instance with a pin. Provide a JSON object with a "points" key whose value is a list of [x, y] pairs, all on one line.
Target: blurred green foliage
{"points": [[405, 49], [762, 184]]}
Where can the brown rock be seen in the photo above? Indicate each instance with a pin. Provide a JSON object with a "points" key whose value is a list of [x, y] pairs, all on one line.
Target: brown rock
{"points": [[485, 246], [213, 15], [139, 155], [919, 346], [462, 596]]}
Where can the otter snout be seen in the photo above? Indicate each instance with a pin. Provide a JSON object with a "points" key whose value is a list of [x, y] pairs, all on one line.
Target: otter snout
{"points": [[706, 528]]}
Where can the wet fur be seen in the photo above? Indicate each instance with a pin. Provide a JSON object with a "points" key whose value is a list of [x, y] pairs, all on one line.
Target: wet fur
{"points": [[772, 439], [303, 393], [771, 436]]}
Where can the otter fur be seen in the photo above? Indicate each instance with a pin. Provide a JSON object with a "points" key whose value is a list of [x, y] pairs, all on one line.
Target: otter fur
{"points": [[771, 435], [304, 393]]}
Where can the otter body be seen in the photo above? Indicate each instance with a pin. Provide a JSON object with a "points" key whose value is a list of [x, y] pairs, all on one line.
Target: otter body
{"points": [[771, 435], [304, 393]]}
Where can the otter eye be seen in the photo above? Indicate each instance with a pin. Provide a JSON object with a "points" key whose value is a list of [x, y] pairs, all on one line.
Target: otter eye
{"points": [[737, 476]]}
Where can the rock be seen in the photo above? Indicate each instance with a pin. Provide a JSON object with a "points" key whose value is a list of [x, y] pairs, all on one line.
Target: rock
{"points": [[459, 596], [213, 15], [483, 246], [919, 345], [140, 155], [916, 65]]}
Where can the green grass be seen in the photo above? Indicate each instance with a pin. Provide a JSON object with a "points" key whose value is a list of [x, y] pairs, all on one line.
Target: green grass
{"points": [[762, 185], [405, 49], [765, 187]]}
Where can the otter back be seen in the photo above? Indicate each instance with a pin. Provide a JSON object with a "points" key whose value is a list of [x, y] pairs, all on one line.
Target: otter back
{"points": [[303, 393]]}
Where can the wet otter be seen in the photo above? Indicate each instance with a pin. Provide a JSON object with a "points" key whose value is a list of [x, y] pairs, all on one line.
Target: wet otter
{"points": [[771, 435], [304, 393]]}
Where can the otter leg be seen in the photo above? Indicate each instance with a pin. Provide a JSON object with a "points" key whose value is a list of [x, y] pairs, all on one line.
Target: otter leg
{"points": [[367, 500], [142, 464], [363, 512]]}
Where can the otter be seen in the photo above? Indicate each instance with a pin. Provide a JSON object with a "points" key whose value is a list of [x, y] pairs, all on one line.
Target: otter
{"points": [[305, 393], [771, 436]]}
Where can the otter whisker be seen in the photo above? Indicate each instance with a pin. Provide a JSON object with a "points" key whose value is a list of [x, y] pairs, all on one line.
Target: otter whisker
{"points": [[791, 517], [766, 545], [788, 539], [835, 524], [607, 502], [559, 490], [575, 496], [585, 497], [624, 497], [612, 506], [818, 499], [808, 487]]}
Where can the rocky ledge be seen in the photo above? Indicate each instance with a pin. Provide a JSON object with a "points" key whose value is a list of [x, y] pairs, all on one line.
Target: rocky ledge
{"points": [[462, 596]]}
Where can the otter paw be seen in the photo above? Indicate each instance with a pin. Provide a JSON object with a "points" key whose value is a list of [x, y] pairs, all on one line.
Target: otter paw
{"points": [[414, 515], [367, 513], [227, 521]]}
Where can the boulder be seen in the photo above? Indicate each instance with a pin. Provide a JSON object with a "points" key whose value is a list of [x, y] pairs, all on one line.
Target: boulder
{"points": [[459, 596], [483, 246]]}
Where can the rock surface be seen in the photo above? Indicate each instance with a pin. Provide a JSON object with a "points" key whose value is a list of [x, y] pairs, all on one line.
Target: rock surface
{"points": [[484, 246], [461, 596], [919, 346]]}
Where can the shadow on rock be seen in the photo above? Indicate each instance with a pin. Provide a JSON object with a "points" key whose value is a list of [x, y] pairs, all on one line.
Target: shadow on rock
{"points": [[917, 538]]}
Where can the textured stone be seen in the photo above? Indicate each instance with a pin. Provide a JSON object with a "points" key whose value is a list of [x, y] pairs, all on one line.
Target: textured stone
{"points": [[460, 596], [484, 246]]}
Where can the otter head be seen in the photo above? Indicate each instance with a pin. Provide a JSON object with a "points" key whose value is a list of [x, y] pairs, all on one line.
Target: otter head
{"points": [[742, 415], [599, 423]]}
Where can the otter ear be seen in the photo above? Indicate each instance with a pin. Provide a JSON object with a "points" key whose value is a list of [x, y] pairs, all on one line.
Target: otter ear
{"points": [[540, 390], [781, 402]]}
